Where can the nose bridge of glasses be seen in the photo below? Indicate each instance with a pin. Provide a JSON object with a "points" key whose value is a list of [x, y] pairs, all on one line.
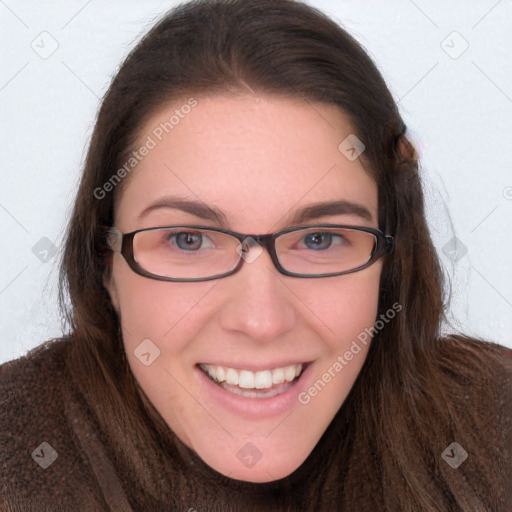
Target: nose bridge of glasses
{"points": [[250, 247], [265, 241]]}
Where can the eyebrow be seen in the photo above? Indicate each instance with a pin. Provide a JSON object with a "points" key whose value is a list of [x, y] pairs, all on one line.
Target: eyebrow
{"points": [[307, 213], [324, 209], [197, 208]]}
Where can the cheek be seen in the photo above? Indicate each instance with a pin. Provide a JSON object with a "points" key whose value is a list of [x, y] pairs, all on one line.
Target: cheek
{"points": [[343, 306], [347, 309], [155, 309]]}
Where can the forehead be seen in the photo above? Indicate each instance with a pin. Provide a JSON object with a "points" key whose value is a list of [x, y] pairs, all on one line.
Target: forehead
{"points": [[255, 158]]}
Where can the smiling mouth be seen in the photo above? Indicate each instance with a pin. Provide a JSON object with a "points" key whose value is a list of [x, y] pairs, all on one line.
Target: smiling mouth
{"points": [[260, 384]]}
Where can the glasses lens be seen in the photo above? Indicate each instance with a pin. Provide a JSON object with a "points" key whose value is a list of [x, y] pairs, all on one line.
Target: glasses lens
{"points": [[184, 252], [320, 250]]}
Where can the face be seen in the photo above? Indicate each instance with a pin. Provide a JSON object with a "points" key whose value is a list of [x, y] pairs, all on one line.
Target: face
{"points": [[250, 164]]}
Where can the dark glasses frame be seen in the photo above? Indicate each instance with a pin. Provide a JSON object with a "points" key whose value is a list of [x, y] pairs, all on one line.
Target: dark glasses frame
{"points": [[123, 243]]}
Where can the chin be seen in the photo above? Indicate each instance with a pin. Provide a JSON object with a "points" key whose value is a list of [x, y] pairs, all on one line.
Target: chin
{"points": [[256, 460]]}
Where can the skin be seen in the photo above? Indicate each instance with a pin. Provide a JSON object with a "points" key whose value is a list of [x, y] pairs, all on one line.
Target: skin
{"points": [[257, 159]]}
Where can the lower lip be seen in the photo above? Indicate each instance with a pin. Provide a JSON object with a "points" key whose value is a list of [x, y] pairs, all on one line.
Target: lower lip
{"points": [[253, 408]]}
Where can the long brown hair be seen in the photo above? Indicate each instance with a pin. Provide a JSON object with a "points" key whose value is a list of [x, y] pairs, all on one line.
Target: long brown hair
{"points": [[396, 421]]}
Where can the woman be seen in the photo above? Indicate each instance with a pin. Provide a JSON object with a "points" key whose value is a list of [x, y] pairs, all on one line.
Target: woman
{"points": [[254, 297]]}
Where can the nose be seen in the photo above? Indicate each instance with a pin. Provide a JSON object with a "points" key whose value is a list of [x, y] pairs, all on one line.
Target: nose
{"points": [[259, 304]]}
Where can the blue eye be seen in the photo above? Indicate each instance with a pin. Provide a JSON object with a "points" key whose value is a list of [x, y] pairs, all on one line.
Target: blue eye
{"points": [[187, 241], [318, 241]]}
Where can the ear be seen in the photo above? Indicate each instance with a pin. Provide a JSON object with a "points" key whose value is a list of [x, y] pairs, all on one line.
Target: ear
{"points": [[406, 148]]}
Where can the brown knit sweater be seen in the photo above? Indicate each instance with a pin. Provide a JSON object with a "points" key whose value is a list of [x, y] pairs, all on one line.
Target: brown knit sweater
{"points": [[55, 456]]}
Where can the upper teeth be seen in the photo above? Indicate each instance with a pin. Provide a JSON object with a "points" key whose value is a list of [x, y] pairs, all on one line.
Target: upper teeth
{"points": [[253, 380]]}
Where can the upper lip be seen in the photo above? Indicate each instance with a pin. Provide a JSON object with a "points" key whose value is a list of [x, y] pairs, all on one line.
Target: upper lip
{"points": [[255, 367]]}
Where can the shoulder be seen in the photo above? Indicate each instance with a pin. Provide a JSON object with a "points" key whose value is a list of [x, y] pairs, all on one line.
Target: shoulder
{"points": [[30, 388], [477, 380], [477, 374], [45, 362], [475, 362], [40, 461]]}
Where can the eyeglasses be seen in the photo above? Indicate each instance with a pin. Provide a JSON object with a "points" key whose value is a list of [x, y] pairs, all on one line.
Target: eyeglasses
{"points": [[201, 253]]}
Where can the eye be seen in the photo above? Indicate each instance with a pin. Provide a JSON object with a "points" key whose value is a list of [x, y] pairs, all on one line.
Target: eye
{"points": [[319, 241], [189, 241]]}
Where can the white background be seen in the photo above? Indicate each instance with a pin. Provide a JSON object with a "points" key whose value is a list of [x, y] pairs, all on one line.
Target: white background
{"points": [[459, 110]]}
